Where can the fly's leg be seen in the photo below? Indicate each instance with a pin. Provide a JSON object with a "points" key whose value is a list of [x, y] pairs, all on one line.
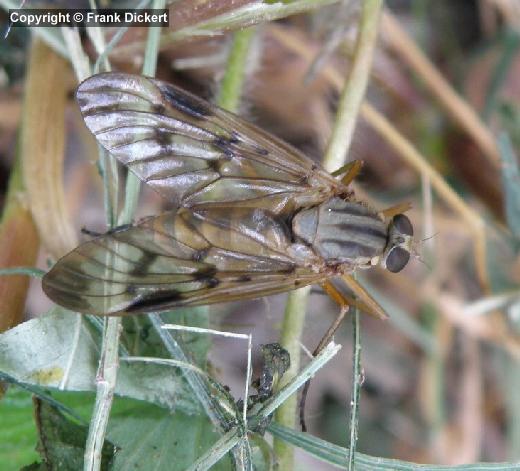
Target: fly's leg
{"points": [[363, 301], [392, 211], [344, 304], [349, 171], [114, 230]]}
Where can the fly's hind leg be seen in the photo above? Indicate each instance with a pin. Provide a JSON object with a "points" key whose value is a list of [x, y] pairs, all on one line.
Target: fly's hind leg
{"points": [[344, 304]]}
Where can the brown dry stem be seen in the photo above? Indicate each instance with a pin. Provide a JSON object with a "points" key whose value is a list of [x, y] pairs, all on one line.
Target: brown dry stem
{"points": [[42, 146]]}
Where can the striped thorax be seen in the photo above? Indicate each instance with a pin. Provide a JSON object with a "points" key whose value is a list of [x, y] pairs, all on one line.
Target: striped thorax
{"points": [[351, 233]]}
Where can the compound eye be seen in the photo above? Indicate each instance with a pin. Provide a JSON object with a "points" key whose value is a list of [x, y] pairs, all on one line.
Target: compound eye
{"points": [[397, 259], [403, 224]]}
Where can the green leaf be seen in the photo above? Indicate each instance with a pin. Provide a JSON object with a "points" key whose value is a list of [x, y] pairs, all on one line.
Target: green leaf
{"points": [[146, 434], [61, 442], [17, 433], [47, 352], [337, 455]]}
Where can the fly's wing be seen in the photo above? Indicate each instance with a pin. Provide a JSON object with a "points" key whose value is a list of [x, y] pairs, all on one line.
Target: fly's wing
{"points": [[182, 258], [192, 152]]}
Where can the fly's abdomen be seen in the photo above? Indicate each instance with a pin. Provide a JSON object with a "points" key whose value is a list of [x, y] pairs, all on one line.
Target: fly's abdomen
{"points": [[342, 231]]}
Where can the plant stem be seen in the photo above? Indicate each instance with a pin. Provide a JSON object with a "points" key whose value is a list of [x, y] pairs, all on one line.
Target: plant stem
{"points": [[292, 328], [356, 388], [105, 386], [337, 149], [109, 362], [355, 85], [149, 65], [236, 70]]}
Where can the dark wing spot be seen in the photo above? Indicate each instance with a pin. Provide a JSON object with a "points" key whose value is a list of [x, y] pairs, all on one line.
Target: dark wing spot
{"points": [[82, 101], [199, 255], [159, 109], [207, 276], [235, 138], [143, 264], [155, 301], [225, 145], [212, 282], [261, 151], [289, 270], [214, 165], [185, 102], [162, 138]]}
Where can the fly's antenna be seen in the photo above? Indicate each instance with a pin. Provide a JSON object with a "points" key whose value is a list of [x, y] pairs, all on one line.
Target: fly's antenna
{"points": [[416, 252], [429, 237]]}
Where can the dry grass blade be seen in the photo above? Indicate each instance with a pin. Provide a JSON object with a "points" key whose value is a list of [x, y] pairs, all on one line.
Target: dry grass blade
{"points": [[42, 147], [457, 107]]}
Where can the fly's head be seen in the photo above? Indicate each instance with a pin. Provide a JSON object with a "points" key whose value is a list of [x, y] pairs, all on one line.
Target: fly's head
{"points": [[399, 244]]}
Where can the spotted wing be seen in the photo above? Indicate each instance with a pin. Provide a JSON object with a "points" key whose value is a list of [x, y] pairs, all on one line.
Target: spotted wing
{"points": [[182, 258], [192, 152]]}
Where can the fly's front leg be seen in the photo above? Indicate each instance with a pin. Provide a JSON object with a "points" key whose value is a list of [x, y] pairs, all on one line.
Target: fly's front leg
{"points": [[349, 171], [363, 300], [392, 211], [344, 304], [114, 230]]}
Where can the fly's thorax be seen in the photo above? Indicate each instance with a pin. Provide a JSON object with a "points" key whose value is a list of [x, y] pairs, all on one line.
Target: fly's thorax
{"points": [[342, 232]]}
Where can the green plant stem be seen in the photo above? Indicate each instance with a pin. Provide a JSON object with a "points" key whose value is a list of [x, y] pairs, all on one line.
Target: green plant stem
{"points": [[133, 184], [355, 85], [292, 328], [105, 386], [356, 388], [337, 150], [28, 271], [109, 352], [236, 70]]}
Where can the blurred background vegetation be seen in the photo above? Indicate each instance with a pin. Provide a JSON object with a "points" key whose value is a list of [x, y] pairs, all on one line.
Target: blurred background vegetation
{"points": [[441, 378]]}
